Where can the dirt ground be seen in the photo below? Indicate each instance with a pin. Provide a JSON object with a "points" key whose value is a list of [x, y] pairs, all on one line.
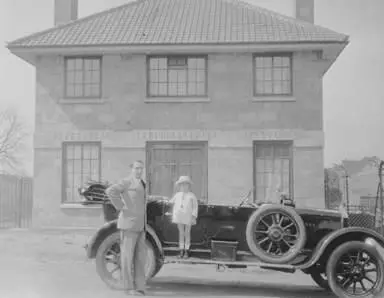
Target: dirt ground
{"points": [[46, 264]]}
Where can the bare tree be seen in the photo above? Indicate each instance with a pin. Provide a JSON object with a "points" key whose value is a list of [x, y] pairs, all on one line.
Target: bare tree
{"points": [[12, 140]]}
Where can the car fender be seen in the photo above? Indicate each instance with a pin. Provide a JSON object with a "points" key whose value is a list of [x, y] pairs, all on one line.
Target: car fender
{"points": [[98, 237], [332, 240], [155, 239], [111, 227]]}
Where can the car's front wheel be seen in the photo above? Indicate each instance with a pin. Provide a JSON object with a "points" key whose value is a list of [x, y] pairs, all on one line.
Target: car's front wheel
{"points": [[356, 269], [320, 279], [108, 265]]}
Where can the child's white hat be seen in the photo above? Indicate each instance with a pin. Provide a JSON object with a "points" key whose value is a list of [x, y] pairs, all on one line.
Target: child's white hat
{"points": [[184, 179]]}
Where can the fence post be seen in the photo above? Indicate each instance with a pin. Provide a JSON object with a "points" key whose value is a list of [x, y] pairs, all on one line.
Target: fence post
{"points": [[19, 201], [22, 203], [30, 202], [347, 185]]}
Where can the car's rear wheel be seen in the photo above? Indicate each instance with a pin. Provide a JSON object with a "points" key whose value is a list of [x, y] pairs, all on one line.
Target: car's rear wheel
{"points": [[356, 269], [108, 264], [275, 234]]}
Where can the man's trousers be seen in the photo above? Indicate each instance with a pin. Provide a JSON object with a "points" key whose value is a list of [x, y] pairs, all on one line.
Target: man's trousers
{"points": [[133, 259]]}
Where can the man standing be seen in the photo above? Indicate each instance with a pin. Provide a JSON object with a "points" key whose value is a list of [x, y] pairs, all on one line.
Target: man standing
{"points": [[128, 196]]}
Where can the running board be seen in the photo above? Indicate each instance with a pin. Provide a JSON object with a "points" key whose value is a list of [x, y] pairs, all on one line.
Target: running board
{"points": [[207, 251], [233, 264], [176, 249]]}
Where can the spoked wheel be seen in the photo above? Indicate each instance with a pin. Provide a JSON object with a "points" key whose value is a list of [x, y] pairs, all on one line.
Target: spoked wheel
{"points": [[356, 269], [275, 234], [108, 263]]}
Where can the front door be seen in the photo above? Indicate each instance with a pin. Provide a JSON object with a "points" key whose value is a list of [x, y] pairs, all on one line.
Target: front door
{"points": [[166, 162]]}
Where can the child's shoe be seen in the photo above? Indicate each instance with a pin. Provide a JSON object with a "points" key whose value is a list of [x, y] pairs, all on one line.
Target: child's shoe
{"points": [[187, 254]]}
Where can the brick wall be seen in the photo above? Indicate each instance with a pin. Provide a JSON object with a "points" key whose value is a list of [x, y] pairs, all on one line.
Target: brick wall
{"points": [[230, 91], [124, 115]]}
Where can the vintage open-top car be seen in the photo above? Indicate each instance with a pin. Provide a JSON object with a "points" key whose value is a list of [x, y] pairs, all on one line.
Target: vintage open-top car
{"points": [[279, 237]]}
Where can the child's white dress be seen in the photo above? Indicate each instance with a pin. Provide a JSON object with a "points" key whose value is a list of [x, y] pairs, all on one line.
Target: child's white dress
{"points": [[185, 208]]}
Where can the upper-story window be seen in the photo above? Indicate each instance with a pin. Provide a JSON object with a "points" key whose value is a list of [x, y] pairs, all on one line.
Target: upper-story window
{"points": [[83, 77], [272, 75], [177, 76]]}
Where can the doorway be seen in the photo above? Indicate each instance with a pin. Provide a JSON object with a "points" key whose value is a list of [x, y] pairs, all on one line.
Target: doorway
{"points": [[166, 162]]}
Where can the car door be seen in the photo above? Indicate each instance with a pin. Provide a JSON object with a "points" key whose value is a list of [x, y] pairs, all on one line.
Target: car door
{"points": [[198, 232], [228, 223]]}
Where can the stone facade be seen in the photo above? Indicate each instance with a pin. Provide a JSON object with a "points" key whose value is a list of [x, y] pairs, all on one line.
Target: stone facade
{"points": [[229, 119]]}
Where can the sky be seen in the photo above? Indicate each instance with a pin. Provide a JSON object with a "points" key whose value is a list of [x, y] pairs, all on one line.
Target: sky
{"points": [[352, 93]]}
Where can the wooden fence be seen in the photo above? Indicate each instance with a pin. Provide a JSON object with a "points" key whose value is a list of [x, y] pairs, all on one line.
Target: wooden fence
{"points": [[16, 201]]}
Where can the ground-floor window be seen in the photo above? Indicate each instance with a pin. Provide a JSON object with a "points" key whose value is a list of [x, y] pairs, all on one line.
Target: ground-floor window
{"points": [[273, 170], [81, 162], [166, 161]]}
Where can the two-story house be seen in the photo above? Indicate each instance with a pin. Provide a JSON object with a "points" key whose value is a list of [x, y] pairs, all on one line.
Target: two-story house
{"points": [[221, 90]]}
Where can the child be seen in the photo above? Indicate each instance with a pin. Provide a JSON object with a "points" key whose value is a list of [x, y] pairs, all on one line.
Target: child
{"points": [[185, 211]]}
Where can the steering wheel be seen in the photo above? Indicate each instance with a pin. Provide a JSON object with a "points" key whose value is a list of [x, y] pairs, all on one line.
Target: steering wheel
{"points": [[246, 198]]}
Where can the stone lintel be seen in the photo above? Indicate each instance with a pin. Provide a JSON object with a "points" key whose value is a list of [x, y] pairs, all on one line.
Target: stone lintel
{"points": [[215, 138]]}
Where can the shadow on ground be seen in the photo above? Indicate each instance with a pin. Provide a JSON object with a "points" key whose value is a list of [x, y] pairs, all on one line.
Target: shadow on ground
{"points": [[186, 287]]}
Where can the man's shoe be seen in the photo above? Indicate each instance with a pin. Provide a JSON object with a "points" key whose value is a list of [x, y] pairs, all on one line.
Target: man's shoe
{"points": [[136, 293], [182, 253], [140, 293]]}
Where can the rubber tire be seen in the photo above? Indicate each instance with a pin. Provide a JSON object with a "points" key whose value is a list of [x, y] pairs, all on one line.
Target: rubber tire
{"points": [[320, 280], [114, 284], [332, 261], [255, 217]]}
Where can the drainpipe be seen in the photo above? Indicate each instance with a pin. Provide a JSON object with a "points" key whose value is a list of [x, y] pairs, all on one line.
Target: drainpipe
{"points": [[381, 195]]}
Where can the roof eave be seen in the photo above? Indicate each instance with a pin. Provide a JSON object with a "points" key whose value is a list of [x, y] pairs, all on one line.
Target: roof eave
{"points": [[176, 48], [27, 56], [337, 52]]}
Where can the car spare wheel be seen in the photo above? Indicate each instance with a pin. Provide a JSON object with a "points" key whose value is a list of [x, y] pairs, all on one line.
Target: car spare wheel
{"points": [[275, 234]]}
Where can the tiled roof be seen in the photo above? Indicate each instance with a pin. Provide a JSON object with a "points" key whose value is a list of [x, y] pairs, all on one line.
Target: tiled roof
{"points": [[151, 22]]}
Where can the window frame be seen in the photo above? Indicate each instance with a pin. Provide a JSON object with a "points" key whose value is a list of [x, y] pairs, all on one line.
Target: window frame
{"points": [[64, 170], [176, 56], [290, 144], [272, 55], [83, 58]]}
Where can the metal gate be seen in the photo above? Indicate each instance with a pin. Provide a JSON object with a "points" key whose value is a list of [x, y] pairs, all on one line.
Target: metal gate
{"points": [[365, 215], [370, 217], [16, 201]]}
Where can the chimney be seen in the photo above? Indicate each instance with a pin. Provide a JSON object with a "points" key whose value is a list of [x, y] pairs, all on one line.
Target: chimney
{"points": [[65, 11], [305, 10]]}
